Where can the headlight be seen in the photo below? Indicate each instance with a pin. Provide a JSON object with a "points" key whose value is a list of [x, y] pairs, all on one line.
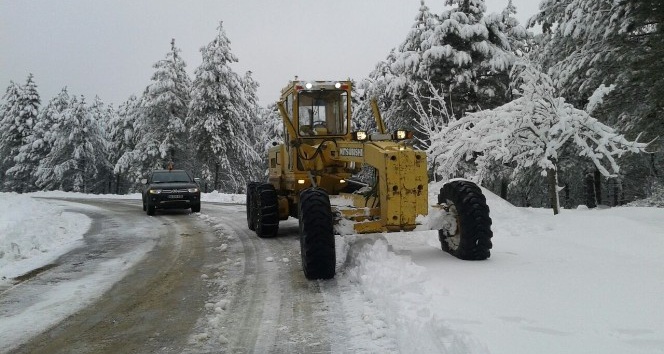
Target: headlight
{"points": [[192, 190], [360, 135], [337, 85], [402, 135], [155, 191], [309, 85]]}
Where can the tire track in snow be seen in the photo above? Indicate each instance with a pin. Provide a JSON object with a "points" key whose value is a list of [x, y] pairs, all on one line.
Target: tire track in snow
{"points": [[271, 307]]}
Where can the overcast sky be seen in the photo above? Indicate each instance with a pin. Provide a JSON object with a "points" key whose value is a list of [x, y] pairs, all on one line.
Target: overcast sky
{"points": [[107, 48]]}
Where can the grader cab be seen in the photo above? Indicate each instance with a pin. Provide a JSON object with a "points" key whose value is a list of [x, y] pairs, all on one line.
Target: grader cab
{"points": [[311, 178]]}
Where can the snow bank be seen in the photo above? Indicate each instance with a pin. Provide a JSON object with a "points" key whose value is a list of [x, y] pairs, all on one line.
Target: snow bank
{"points": [[394, 288], [30, 238]]}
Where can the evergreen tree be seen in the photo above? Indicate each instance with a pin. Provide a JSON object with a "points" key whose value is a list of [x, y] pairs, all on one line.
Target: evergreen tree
{"points": [[264, 125], [7, 123], [405, 64], [17, 130], [375, 87], [267, 130], [41, 141], [78, 160], [519, 39], [466, 55], [162, 133], [219, 118], [102, 115], [122, 142]]}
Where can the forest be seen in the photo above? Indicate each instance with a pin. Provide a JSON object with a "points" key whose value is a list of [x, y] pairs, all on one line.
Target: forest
{"points": [[564, 110]]}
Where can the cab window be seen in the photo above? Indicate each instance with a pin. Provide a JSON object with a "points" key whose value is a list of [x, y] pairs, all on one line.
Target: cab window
{"points": [[322, 112]]}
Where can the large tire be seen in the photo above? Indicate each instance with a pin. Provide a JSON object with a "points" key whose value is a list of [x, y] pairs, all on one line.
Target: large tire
{"points": [[316, 234], [267, 211], [196, 208], [251, 205], [470, 239]]}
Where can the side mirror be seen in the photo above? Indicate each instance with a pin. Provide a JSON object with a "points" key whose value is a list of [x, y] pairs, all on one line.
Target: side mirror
{"points": [[144, 181], [197, 180]]}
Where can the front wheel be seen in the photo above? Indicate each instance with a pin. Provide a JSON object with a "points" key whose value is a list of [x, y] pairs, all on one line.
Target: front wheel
{"points": [[150, 208], [468, 238], [316, 234], [196, 208]]}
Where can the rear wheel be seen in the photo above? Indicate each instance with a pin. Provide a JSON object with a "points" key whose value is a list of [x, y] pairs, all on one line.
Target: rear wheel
{"points": [[251, 205], [316, 234], [469, 238], [266, 211]]}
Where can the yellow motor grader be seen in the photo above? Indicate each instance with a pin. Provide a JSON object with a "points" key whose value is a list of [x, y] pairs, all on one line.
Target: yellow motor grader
{"points": [[319, 158]]}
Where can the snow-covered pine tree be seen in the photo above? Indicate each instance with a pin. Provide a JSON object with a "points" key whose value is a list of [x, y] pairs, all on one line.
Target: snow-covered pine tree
{"points": [[7, 117], [17, 131], [122, 140], [530, 131], [162, 133], [219, 120], [264, 128], [375, 87], [578, 45], [102, 114], [40, 142], [78, 158], [404, 64], [267, 130], [467, 54]]}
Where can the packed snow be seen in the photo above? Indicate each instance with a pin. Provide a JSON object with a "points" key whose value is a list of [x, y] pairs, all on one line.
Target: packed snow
{"points": [[584, 281]]}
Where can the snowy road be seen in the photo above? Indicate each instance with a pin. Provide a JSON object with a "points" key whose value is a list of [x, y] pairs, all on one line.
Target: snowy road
{"points": [[149, 270], [173, 283]]}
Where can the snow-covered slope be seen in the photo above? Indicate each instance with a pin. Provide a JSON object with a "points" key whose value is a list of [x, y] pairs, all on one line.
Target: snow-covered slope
{"points": [[585, 281]]}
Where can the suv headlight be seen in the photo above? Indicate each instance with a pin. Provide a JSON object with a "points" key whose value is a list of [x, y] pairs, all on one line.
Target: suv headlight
{"points": [[193, 190], [155, 191]]}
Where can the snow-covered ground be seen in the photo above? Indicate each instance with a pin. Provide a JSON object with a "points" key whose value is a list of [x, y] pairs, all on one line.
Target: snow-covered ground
{"points": [[584, 281]]}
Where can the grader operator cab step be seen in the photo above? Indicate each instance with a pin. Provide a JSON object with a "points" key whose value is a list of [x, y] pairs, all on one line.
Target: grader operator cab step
{"points": [[321, 154]]}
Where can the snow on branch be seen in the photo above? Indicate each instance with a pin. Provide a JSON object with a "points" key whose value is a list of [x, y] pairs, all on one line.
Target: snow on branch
{"points": [[530, 130], [432, 110]]}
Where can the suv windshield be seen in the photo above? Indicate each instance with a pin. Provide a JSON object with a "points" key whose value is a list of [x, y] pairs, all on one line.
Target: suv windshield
{"points": [[172, 176]]}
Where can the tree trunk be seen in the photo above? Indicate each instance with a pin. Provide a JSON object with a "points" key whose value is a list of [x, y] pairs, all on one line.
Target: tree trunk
{"points": [[567, 202], [591, 202], [503, 188], [598, 186], [552, 178], [616, 191]]}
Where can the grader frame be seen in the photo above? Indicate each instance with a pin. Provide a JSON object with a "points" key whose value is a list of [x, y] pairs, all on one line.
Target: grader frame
{"points": [[318, 159]]}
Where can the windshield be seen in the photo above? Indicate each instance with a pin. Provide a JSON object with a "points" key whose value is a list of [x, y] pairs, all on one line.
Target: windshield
{"points": [[322, 112], [170, 177]]}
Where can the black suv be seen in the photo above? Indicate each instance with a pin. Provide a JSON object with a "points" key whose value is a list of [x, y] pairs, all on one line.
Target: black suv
{"points": [[171, 189]]}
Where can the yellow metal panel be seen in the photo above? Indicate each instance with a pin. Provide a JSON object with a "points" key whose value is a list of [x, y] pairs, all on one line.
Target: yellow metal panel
{"points": [[368, 227]]}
